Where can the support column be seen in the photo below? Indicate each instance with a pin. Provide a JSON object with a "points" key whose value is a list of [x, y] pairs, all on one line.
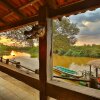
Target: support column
{"points": [[90, 71], [49, 50], [43, 53], [96, 72]]}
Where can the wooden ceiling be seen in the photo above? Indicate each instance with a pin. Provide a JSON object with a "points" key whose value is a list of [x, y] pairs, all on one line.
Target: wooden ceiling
{"points": [[14, 13]]}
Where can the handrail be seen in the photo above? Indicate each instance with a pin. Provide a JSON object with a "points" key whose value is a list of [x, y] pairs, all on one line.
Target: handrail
{"points": [[18, 65], [12, 61], [73, 79], [93, 83], [27, 68]]}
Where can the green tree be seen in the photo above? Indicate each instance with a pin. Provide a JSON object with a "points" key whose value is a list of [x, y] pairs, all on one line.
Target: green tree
{"points": [[17, 35], [64, 33]]}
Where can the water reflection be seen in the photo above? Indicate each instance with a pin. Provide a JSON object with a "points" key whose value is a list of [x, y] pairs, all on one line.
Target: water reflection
{"points": [[24, 59]]}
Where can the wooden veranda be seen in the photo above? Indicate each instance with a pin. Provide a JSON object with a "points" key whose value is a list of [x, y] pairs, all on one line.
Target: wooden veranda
{"points": [[16, 13]]}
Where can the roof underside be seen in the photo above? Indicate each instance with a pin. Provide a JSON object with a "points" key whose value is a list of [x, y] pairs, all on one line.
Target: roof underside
{"points": [[14, 13]]}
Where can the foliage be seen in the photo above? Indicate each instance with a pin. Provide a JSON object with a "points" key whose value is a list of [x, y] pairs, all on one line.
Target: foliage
{"points": [[34, 52], [67, 27], [17, 35], [60, 42], [61, 52], [64, 33], [5, 50], [82, 51]]}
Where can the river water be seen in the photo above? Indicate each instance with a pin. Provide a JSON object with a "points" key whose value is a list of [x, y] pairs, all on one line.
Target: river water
{"points": [[74, 63], [24, 59]]}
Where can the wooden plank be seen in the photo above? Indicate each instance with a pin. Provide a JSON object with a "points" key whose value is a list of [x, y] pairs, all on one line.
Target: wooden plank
{"points": [[61, 93], [31, 2], [52, 4], [49, 49], [67, 10], [19, 23], [12, 8], [17, 11], [75, 8], [4, 22], [31, 81], [52, 90], [43, 53]]}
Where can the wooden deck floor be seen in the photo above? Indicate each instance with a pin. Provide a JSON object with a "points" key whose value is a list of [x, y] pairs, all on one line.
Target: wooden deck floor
{"points": [[12, 89]]}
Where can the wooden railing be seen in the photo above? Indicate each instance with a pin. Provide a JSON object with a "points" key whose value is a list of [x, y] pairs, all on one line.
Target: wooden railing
{"points": [[18, 65], [92, 82], [57, 90]]}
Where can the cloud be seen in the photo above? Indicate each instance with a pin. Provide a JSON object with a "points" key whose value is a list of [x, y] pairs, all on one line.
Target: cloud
{"points": [[89, 25], [88, 22], [91, 16], [91, 28], [88, 39]]}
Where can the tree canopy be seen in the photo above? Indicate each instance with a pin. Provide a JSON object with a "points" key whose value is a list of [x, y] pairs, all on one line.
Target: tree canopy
{"points": [[64, 33], [17, 35]]}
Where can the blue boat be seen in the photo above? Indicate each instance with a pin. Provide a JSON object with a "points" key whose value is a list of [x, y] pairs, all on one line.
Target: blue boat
{"points": [[66, 72]]}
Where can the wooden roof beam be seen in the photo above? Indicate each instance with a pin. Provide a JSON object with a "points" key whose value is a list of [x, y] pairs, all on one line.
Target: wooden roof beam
{"points": [[18, 12], [52, 4], [30, 3], [19, 23], [76, 7], [4, 22], [12, 8]]}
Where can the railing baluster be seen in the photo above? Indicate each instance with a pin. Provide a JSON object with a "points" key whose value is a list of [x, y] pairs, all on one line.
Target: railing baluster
{"points": [[17, 64], [1, 59], [7, 61]]}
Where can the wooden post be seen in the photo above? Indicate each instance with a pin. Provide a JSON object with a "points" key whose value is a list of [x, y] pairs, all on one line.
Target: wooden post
{"points": [[90, 70], [37, 71], [1, 59], [7, 61], [18, 65], [43, 53], [96, 72], [49, 50], [93, 83]]}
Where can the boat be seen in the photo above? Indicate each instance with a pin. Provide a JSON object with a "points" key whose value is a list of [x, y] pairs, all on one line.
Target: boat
{"points": [[66, 72]]}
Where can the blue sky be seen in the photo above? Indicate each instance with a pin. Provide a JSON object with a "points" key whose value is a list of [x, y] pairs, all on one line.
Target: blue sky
{"points": [[89, 25]]}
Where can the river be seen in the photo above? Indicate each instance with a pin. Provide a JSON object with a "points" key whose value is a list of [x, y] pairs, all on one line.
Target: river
{"points": [[66, 61], [75, 63], [24, 59]]}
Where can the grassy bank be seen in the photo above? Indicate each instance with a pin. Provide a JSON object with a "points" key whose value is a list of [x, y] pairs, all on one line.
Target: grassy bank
{"points": [[6, 50]]}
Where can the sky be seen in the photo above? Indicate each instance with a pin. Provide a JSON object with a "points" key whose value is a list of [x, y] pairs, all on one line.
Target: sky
{"points": [[89, 25]]}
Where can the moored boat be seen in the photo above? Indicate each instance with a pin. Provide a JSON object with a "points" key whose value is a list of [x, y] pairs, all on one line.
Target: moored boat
{"points": [[66, 72]]}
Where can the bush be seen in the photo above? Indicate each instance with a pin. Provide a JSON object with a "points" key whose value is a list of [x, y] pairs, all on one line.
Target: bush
{"points": [[61, 52], [34, 55], [69, 52]]}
